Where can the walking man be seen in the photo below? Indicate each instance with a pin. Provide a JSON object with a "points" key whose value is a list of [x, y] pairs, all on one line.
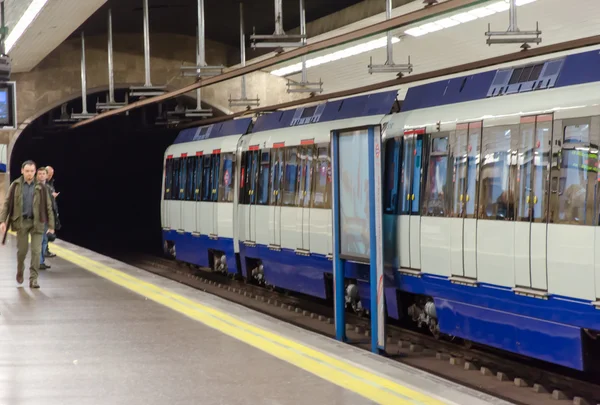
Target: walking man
{"points": [[27, 209]]}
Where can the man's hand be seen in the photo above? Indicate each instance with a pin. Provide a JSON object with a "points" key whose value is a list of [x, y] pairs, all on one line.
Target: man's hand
{"points": [[49, 230], [55, 194], [3, 227]]}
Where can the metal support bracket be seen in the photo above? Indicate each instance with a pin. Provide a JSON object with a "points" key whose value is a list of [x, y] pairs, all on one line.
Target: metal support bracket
{"points": [[279, 39], [243, 101], [513, 35], [389, 66]]}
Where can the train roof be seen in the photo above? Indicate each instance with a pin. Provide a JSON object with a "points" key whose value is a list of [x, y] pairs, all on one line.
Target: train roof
{"points": [[353, 107], [564, 71], [221, 129]]}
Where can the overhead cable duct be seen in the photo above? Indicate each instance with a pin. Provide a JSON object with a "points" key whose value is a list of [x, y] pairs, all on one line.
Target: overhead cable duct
{"points": [[147, 90], [243, 101], [389, 66], [279, 39], [84, 112], [201, 69], [111, 104], [513, 35], [304, 86]]}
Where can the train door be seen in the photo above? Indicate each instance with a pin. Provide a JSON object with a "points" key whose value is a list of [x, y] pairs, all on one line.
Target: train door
{"points": [[534, 155], [175, 203], [410, 219], [251, 171], [214, 178], [320, 202], [465, 150], [573, 212], [198, 192], [224, 207], [277, 165], [168, 186], [261, 214], [206, 206]]}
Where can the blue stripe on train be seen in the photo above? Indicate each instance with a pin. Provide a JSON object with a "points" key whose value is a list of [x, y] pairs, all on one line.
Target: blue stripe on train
{"points": [[545, 329], [195, 249]]}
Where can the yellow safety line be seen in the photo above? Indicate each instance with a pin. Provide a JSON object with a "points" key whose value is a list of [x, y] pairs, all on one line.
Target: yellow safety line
{"points": [[374, 387]]}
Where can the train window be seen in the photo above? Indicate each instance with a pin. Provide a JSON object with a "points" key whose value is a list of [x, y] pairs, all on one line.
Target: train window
{"points": [[405, 190], [392, 175], [458, 157], [168, 179], [263, 178], [416, 176], [437, 190], [182, 178], [226, 184], [277, 163], [291, 175], [322, 194], [496, 188], [215, 176], [473, 156], [306, 176], [533, 164], [176, 179], [578, 176], [198, 181], [243, 196], [206, 184], [190, 181]]}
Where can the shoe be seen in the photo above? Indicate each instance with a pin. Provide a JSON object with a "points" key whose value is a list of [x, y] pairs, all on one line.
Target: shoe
{"points": [[33, 284], [20, 277], [50, 254], [44, 266]]}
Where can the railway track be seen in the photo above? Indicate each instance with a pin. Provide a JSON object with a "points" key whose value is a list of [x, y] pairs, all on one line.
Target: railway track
{"points": [[519, 380]]}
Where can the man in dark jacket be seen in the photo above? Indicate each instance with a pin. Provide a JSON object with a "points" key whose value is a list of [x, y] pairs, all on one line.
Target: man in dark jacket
{"points": [[28, 209]]}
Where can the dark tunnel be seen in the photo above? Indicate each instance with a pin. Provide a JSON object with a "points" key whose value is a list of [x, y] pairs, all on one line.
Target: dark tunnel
{"points": [[109, 174]]}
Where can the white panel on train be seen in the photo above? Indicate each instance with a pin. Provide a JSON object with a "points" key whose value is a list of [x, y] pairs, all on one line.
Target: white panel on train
{"points": [[496, 242], [188, 216], [436, 245]]}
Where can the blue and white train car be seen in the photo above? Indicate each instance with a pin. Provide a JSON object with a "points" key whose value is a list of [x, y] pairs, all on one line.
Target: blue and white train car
{"points": [[284, 213], [493, 213], [198, 200]]}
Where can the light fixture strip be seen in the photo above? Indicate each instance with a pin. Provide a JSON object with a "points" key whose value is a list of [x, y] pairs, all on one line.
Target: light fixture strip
{"points": [[467, 16], [337, 55], [24, 22]]}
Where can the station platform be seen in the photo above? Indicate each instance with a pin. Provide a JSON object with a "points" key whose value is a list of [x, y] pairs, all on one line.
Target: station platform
{"points": [[99, 331]]}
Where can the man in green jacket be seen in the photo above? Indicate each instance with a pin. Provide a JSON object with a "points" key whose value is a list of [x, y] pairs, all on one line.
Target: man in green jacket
{"points": [[28, 208]]}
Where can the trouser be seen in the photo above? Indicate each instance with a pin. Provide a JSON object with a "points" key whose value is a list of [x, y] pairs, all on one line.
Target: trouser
{"points": [[44, 245], [23, 245]]}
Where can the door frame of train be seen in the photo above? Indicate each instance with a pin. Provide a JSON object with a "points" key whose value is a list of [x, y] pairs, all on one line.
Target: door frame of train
{"points": [[377, 309]]}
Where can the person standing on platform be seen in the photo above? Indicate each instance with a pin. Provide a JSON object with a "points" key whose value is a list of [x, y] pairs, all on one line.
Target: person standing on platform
{"points": [[54, 194], [27, 210], [42, 174]]}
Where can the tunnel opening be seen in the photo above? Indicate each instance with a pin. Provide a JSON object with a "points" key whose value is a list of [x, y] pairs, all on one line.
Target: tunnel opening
{"points": [[109, 173]]}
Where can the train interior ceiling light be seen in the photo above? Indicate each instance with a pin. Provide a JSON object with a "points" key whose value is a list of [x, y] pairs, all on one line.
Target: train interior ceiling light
{"points": [[479, 12], [331, 57], [24, 22]]}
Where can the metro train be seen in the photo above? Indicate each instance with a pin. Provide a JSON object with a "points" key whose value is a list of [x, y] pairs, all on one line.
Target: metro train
{"points": [[491, 204]]}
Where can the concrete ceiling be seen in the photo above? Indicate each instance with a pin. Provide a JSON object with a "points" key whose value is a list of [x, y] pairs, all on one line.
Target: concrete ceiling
{"points": [[54, 23], [452, 46]]}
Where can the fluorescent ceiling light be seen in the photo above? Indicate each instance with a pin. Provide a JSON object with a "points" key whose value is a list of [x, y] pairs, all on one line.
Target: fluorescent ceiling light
{"points": [[24, 22], [341, 54], [457, 19]]}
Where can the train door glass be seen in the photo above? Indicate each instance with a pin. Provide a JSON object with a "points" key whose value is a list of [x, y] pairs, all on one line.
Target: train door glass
{"points": [[261, 211], [198, 192], [175, 204], [533, 162], [251, 186], [182, 188], [214, 178], [410, 220], [464, 154], [277, 166], [167, 192], [305, 175]]}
